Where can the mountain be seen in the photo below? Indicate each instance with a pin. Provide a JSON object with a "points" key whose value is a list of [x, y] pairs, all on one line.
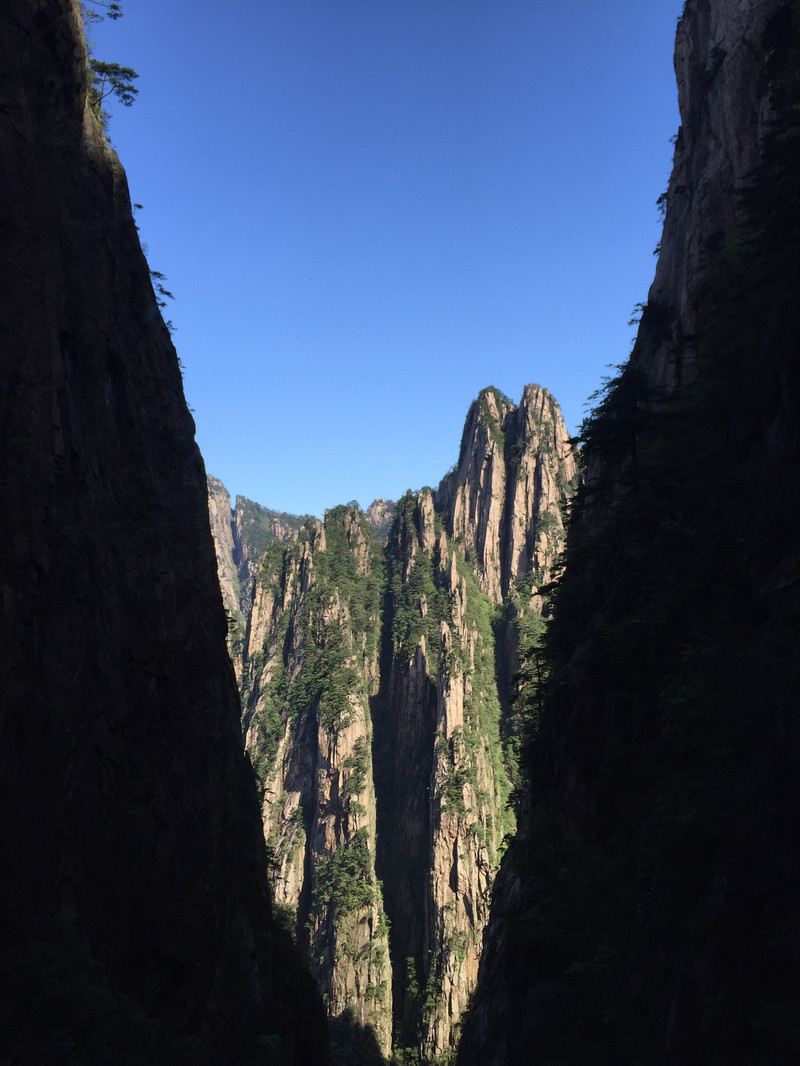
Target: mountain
{"points": [[376, 686], [647, 911], [241, 534], [405, 673], [137, 925]]}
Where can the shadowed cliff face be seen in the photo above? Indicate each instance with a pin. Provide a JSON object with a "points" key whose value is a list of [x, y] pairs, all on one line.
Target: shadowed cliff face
{"points": [[138, 923], [648, 911]]}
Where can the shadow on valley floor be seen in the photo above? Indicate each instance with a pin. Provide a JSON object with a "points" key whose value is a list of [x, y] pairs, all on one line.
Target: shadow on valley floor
{"points": [[353, 1044]]}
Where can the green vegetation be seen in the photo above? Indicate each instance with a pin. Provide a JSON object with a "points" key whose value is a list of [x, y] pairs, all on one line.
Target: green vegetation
{"points": [[322, 638], [357, 764], [106, 79], [310, 674], [285, 918], [269, 723], [481, 407], [111, 79], [343, 880], [419, 603], [489, 420], [258, 525], [520, 726], [270, 573], [482, 716], [97, 10]]}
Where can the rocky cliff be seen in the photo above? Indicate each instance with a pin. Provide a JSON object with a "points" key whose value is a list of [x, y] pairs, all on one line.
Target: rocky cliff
{"points": [[137, 924], [220, 517], [377, 699], [647, 911], [443, 778], [241, 534], [502, 500], [310, 679]]}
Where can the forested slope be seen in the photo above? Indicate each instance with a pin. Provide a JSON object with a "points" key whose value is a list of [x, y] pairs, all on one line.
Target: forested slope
{"points": [[376, 682]]}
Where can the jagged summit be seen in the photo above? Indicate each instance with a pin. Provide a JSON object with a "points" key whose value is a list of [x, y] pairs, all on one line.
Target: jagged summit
{"points": [[376, 679], [503, 499]]}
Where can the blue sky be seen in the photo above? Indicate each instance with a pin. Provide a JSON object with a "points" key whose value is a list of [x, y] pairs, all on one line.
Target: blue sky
{"points": [[368, 210]]}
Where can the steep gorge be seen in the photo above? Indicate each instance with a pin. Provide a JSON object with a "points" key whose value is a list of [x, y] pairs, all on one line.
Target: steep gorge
{"points": [[376, 685], [646, 912]]}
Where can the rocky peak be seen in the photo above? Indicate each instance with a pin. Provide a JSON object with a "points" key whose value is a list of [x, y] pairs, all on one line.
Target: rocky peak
{"points": [[376, 687], [503, 499], [379, 514]]}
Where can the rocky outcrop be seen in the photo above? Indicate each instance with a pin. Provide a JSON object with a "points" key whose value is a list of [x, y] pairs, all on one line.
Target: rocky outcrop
{"points": [[446, 776], [379, 514], [722, 68], [377, 689], [647, 910], [219, 513], [503, 501], [254, 527], [311, 676], [241, 534], [136, 922]]}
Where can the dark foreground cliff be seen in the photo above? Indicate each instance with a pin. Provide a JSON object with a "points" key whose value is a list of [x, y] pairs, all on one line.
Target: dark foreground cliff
{"points": [[648, 912], [136, 918]]}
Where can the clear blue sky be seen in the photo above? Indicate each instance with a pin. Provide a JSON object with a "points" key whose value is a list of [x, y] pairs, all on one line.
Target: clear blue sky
{"points": [[368, 210]]}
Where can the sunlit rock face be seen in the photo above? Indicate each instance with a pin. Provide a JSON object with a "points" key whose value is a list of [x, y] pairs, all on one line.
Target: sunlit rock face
{"points": [[241, 532], [376, 685], [379, 514], [137, 921], [503, 500], [221, 518], [726, 105]]}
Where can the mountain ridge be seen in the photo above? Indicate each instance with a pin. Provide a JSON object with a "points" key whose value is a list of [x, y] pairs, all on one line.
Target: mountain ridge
{"points": [[373, 712], [137, 927]]}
